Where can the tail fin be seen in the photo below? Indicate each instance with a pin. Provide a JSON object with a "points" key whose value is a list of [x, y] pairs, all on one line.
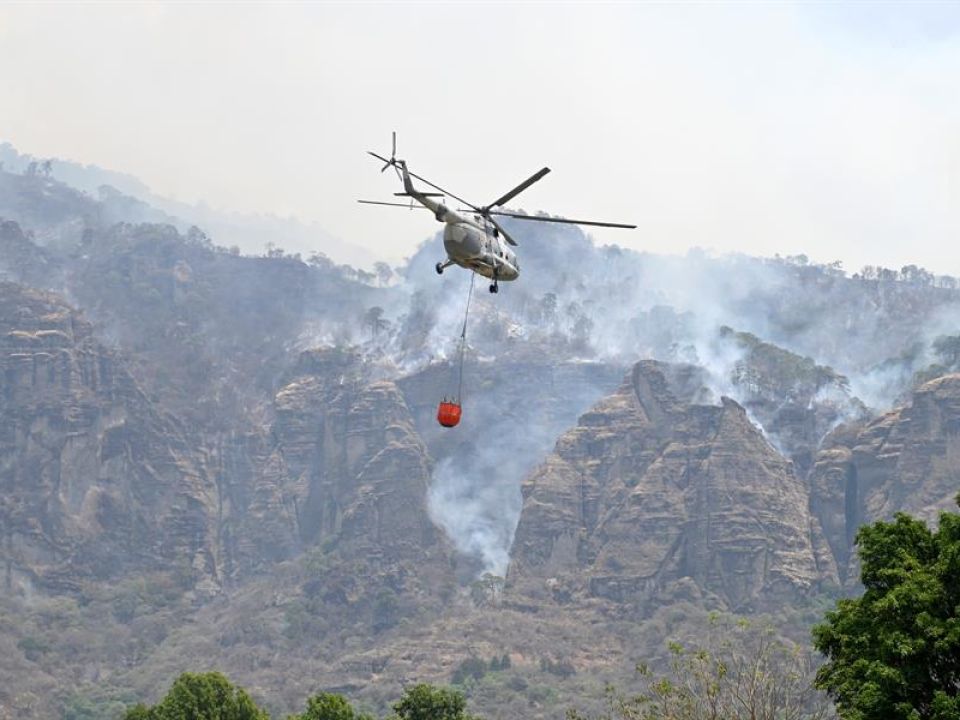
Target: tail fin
{"points": [[407, 182], [408, 189]]}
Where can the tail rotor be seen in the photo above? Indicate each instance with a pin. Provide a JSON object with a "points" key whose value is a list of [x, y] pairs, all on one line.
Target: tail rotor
{"points": [[392, 162], [393, 154]]}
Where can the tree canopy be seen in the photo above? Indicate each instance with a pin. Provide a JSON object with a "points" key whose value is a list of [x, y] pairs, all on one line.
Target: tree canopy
{"points": [[201, 696], [329, 706], [894, 652], [426, 702], [211, 696]]}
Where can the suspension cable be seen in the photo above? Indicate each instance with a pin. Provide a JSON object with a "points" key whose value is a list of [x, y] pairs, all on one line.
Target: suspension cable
{"points": [[463, 338]]}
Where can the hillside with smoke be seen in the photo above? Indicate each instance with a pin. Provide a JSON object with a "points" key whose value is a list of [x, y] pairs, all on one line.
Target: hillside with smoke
{"points": [[876, 326], [834, 342], [769, 333], [254, 437]]}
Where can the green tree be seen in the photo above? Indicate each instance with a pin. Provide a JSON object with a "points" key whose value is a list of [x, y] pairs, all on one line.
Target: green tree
{"points": [[894, 652], [33, 648], [471, 667], [426, 702], [201, 696], [386, 610], [329, 706], [947, 347]]}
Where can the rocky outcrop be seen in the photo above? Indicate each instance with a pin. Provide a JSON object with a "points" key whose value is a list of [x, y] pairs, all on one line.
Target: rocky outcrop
{"points": [[795, 400], [906, 460], [652, 491], [94, 480], [346, 469]]}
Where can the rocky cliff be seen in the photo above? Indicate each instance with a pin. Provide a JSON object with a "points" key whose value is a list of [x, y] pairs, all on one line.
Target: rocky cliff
{"points": [[96, 481], [346, 469], [906, 460], [795, 400], [653, 496]]}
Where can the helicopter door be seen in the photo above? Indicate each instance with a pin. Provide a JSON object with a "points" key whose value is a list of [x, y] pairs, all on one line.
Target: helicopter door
{"points": [[489, 243]]}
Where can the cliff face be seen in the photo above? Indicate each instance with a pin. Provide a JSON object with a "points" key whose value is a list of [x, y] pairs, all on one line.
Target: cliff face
{"points": [[907, 460], [94, 480], [344, 468], [794, 399], [652, 496]]}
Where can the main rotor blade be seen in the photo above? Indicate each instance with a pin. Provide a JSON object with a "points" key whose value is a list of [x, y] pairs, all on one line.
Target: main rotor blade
{"points": [[506, 235], [378, 157], [445, 192], [403, 205], [563, 220], [520, 188]]}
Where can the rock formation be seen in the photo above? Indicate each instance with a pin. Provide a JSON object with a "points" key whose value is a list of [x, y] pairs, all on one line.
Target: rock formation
{"points": [[346, 469], [650, 490], [906, 460], [795, 400], [94, 480]]}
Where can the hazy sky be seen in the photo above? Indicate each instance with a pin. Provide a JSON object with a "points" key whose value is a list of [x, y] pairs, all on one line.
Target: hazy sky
{"points": [[828, 129]]}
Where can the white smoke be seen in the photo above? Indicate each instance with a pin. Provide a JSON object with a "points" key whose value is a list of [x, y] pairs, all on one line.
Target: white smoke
{"points": [[479, 516], [576, 301]]}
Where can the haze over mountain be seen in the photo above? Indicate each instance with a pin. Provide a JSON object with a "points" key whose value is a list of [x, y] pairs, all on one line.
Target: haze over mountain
{"points": [[249, 232], [212, 458]]}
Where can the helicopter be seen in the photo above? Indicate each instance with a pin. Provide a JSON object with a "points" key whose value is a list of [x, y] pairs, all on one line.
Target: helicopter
{"points": [[472, 237]]}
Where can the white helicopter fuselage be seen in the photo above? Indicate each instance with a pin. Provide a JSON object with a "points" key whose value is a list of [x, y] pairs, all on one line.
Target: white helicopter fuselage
{"points": [[471, 246]]}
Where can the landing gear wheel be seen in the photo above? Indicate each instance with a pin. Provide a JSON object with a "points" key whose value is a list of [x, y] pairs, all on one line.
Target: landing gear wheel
{"points": [[439, 267], [494, 288]]}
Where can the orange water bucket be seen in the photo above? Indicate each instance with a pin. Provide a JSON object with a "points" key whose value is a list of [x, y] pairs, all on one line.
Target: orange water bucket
{"points": [[448, 413]]}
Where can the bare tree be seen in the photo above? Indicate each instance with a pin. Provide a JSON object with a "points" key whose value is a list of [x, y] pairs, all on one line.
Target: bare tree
{"points": [[384, 273], [374, 320], [737, 672]]}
